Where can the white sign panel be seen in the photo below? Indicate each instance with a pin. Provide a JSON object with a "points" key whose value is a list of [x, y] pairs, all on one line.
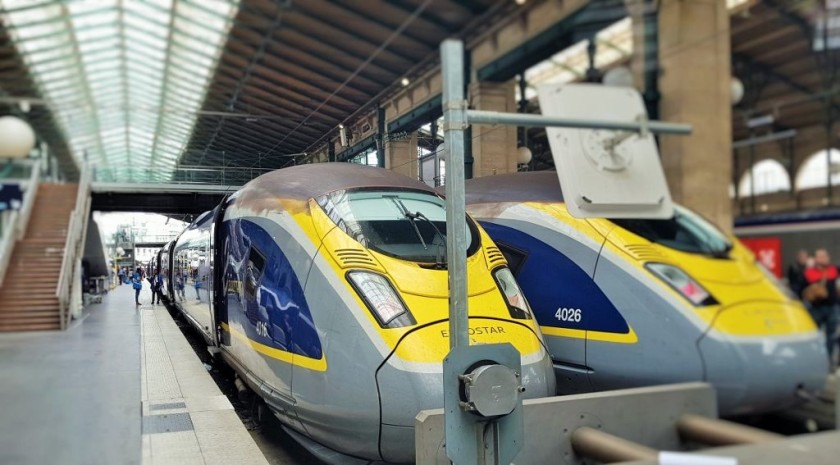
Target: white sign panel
{"points": [[605, 173], [680, 458]]}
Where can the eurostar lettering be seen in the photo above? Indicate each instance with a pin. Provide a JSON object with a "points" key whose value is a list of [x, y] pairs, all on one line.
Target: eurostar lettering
{"points": [[478, 331]]}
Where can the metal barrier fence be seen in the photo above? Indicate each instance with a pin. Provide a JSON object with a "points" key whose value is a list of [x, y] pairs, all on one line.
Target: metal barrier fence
{"points": [[205, 175], [69, 288]]}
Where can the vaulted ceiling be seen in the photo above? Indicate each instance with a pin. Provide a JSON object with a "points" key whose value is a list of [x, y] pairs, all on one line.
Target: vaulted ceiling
{"points": [[141, 87]]}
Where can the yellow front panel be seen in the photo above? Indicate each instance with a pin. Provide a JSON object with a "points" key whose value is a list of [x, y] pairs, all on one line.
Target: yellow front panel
{"points": [[431, 344], [761, 318], [426, 294], [736, 282]]}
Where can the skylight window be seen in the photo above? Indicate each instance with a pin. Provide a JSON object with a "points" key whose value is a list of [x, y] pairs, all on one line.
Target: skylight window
{"points": [[106, 67], [614, 45], [827, 28]]}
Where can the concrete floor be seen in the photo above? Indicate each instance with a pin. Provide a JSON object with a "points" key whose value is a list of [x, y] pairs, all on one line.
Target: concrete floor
{"points": [[73, 397], [120, 386]]}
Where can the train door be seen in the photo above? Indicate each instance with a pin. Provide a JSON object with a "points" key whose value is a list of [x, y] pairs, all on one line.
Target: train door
{"points": [[179, 275], [204, 287], [165, 271], [193, 278], [253, 312]]}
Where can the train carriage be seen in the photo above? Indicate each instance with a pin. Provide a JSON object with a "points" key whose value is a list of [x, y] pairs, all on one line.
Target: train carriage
{"points": [[626, 303], [325, 287]]}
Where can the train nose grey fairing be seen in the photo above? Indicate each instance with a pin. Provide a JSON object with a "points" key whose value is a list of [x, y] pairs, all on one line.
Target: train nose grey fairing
{"points": [[761, 374], [405, 389]]}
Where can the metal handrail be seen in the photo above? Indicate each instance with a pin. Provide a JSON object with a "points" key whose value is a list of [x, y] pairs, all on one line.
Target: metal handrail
{"points": [[67, 279], [7, 245], [19, 220], [28, 201]]}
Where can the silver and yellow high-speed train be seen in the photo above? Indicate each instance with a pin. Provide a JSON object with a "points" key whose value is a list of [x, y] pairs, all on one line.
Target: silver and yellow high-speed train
{"points": [[626, 303], [325, 288]]}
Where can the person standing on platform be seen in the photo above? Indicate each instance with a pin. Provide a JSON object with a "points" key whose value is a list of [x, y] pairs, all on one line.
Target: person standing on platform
{"points": [[156, 281], [121, 275], [796, 273], [137, 282], [821, 293]]}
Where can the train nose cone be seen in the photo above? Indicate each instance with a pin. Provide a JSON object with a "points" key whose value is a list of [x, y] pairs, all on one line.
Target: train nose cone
{"points": [[761, 367], [412, 380]]}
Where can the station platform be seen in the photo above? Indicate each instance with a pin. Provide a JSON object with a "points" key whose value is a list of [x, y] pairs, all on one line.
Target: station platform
{"points": [[121, 385]]}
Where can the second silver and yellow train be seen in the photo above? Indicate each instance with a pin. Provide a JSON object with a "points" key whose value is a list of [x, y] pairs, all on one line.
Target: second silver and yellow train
{"points": [[626, 303]]}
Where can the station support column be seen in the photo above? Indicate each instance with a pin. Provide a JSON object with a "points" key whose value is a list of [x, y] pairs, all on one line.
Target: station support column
{"points": [[401, 155], [694, 61], [493, 147]]}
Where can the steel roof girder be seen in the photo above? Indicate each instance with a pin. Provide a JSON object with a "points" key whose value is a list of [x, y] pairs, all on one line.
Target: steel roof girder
{"points": [[322, 48], [318, 6], [289, 118], [418, 37], [275, 90], [276, 65]]}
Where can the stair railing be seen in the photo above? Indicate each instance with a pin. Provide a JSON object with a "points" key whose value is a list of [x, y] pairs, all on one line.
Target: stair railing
{"points": [[28, 200], [69, 288], [19, 220], [7, 243]]}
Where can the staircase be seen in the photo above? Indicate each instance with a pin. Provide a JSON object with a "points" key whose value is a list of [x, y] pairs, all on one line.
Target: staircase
{"points": [[27, 295]]}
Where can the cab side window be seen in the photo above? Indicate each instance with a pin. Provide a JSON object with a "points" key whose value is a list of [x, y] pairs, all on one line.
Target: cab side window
{"points": [[254, 271], [515, 257]]}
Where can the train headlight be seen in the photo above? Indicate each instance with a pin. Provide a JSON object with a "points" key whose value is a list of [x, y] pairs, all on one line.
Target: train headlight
{"points": [[517, 305], [381, 299], [682, 283]]}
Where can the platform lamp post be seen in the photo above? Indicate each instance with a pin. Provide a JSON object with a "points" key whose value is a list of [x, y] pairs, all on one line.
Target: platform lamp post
{"points": [[17, 139]]}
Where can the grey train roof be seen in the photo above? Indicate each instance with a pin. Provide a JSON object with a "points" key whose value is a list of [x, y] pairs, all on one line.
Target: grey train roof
{"points": [[313, 180], [534, 186]]}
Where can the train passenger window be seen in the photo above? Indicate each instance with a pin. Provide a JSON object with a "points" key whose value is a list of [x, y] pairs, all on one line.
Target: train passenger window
{"points": [[410, 225], [253, 271], [686, 231]]}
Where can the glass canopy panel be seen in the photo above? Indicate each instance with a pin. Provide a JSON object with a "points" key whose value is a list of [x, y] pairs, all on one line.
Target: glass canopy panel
{"points": [[124, 79], [614, 46], [44, 56]]}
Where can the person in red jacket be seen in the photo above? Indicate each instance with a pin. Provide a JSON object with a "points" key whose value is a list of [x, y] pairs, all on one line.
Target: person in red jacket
{"points": [[824, 310]]}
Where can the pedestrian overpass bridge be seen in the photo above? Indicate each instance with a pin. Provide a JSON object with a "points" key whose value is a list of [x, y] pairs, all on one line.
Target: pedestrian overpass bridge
{"points": [[149, 197], [186, 190]]}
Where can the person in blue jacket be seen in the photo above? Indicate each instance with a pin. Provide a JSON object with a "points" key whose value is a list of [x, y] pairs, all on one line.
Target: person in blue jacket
{"points": [[137, 282]]}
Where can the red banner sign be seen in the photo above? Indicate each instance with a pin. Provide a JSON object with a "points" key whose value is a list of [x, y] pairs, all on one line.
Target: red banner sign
{"points": [[768, 251]]}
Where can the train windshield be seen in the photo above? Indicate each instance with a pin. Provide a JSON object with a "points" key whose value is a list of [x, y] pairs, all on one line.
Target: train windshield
{"points": [[686, 231], [410, 225]]}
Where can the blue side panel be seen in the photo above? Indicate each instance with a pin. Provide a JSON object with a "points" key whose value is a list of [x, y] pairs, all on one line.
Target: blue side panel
{"points": [[264, 295], [550, 281]]}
